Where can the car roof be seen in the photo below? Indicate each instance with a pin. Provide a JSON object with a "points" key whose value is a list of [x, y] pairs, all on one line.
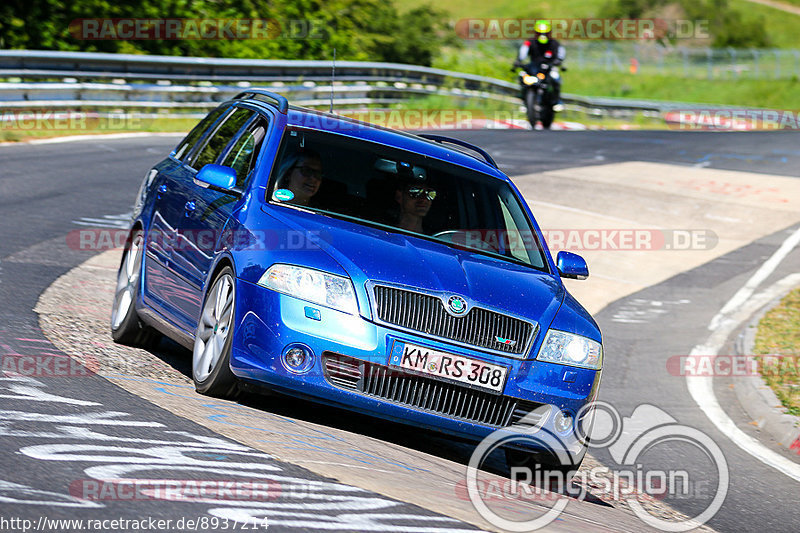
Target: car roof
{"points": [[302, 117]]}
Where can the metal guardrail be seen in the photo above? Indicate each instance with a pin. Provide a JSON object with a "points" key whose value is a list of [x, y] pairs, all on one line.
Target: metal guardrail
{"points": [[66, 79], [141, 83]]}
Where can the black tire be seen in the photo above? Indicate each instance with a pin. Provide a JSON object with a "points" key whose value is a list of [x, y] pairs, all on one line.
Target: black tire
{"points": [[530, 107], [126, 326], [211, 355], [546, 463], [547, 116]]}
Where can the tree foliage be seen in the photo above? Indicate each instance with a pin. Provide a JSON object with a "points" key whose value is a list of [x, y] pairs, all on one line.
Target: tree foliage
{"points": [[305, 29], [728, 26]]}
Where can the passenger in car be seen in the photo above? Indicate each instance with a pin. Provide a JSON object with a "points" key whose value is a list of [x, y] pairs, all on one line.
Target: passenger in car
{"points": [[415, 200], [302, 176]]}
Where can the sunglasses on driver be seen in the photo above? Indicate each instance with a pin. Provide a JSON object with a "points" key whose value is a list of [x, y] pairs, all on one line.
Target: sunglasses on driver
{"points": [[418, 192]]}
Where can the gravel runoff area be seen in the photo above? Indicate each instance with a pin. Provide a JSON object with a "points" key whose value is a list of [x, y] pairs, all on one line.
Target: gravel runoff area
{"points": [[74, 315]]}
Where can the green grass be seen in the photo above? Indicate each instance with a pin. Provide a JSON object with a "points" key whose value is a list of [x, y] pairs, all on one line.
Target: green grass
{"points": [[775, 94], [781, 26], [26, 130], [511, 8], [779, 334], [494, 60]]}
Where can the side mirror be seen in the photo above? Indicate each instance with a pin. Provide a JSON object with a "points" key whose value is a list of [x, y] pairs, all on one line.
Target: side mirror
{"points": [[217, 177], [571, 266]]}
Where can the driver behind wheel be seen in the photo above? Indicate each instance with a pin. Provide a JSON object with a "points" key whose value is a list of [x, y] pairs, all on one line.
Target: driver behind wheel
{"points": [[415, 200]]}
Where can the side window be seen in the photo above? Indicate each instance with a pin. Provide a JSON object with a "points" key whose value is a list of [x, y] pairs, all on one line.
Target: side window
{"points": [[242, 154], [221, 137], [189, 141], [515, 236]]}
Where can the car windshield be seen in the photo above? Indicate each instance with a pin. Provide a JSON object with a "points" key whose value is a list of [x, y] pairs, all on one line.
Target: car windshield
{"points": [[401, 191]]}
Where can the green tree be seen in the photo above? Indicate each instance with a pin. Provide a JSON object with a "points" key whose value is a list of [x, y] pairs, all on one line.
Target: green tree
{"points": [[357, 29]]}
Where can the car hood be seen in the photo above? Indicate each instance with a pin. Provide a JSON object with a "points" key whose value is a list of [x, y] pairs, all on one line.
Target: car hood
{"points": [[371, 254]]}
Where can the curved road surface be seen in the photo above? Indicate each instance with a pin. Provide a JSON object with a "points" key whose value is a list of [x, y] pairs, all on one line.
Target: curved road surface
{"points": [[48, 190]]}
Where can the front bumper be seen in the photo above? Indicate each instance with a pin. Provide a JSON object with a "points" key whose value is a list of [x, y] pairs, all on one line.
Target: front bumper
{"points": [[268, 322]]}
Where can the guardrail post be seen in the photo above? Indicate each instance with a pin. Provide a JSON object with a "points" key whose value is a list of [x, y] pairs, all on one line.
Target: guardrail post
{"points": [[734, 67], [756, 67], [685, 54], [797, 63], [709, 63], [777, 64]]}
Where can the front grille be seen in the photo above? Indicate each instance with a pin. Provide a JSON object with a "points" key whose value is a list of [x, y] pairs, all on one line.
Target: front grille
{"points": [[343, 372], [427, 394], [426, 314]]}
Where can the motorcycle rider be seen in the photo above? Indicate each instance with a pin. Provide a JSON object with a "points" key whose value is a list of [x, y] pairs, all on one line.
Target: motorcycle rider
{"points": [[542, 48]]}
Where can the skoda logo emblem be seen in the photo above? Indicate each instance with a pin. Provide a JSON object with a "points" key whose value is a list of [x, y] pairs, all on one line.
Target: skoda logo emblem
{"points": [[457, 305]]}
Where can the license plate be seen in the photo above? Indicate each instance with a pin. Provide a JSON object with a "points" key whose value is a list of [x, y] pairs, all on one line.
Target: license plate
{"points": [[448, 366]]}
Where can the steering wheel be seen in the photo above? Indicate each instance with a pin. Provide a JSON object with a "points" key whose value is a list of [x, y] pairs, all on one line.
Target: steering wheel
{"points": [[450, 233]]}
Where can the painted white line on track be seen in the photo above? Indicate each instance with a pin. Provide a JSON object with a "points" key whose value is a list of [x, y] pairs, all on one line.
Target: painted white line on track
{"points": [[761, 274], [725, 323]]}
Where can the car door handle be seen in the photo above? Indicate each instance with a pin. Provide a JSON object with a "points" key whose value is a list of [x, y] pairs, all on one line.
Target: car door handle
{"points": [[189, 207], [161, 190]]}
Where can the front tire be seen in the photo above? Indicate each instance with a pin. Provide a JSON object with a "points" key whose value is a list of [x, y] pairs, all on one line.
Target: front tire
{"points": [[530, 107], [211, 369], [547, 116], [126, 326]]}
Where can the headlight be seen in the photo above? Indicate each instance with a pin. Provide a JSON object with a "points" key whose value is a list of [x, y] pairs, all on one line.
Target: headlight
{"points": [[318, 287], [527, 79], [570, 349]]}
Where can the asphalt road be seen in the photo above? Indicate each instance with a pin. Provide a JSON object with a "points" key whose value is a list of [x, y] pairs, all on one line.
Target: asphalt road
{"points": [[47, 190]]}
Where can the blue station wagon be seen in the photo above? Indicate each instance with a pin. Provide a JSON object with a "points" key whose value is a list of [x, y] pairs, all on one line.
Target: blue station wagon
{"points": [[401, 276]]}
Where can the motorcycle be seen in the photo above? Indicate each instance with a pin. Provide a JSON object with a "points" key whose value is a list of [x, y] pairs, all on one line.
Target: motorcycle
{"points": [[540, 92]]}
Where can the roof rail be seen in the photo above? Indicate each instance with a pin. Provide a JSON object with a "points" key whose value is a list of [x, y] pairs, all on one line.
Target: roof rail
{"points": [[283, 103], [459, 142]]}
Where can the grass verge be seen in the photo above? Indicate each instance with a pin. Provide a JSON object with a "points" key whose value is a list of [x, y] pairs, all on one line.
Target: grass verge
{"points": [[779, 334], [24, 127], [494, 60]]}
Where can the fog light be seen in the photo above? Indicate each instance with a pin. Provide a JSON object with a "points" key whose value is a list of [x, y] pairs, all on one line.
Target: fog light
{"points": [[563, 422], [295, 358]]}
